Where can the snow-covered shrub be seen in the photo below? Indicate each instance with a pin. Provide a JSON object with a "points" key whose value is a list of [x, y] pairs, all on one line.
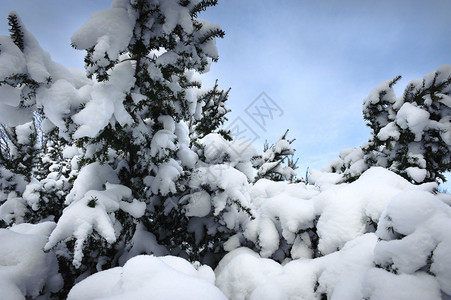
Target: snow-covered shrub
{"points": [[415, 241], [304, 221], [215, 205], [285, 219], [349, 210], [366, 229]]}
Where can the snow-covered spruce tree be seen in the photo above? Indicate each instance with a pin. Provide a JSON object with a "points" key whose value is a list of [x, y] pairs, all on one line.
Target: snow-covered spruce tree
{"points": [[145, 184], [38, 96], [424, 119], [18, 143], [276, 163], [27, 73], [410, 134]]}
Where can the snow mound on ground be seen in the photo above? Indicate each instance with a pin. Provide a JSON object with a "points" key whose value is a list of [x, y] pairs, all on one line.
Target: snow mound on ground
{"points": [[24, 267], [244, 275], [148, 276], [364, 268]]}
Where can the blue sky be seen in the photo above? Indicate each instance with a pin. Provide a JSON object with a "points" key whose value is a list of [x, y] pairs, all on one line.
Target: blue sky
{"points": [[316, 60]]}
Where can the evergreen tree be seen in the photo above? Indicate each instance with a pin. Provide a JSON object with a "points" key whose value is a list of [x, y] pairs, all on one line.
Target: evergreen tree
{"points": [[21, 143], [410, 134], [145, 182], [425, 128], [39, 96]]}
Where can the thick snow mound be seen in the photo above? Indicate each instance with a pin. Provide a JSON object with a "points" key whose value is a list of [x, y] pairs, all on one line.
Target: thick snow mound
{"points": [[24, 267], [242, 274], [381, 285], [347, 210], [144, 277]]}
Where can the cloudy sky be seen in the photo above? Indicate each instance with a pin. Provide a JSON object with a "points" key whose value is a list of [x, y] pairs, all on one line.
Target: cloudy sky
{"points": [[315, 61]]}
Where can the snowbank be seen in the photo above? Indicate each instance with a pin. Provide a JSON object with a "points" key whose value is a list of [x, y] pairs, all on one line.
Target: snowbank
{"points": [[144, 277], [24, 267], [374, 236], [247, 276]]}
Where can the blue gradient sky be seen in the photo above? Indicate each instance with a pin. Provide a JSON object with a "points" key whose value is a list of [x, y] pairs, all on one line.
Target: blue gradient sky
{"points": [[316, 59]]}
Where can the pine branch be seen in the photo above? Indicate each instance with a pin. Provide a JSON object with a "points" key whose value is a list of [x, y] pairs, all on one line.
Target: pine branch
{"points": [[394, 81], [202, 6], [16, 30], [211, 35]]}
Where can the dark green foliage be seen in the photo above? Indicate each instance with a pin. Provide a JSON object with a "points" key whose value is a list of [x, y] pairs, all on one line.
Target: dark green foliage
{"points": [[17, 156], [202, 6], [92, 203], [19, 160], [16, 30]]}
